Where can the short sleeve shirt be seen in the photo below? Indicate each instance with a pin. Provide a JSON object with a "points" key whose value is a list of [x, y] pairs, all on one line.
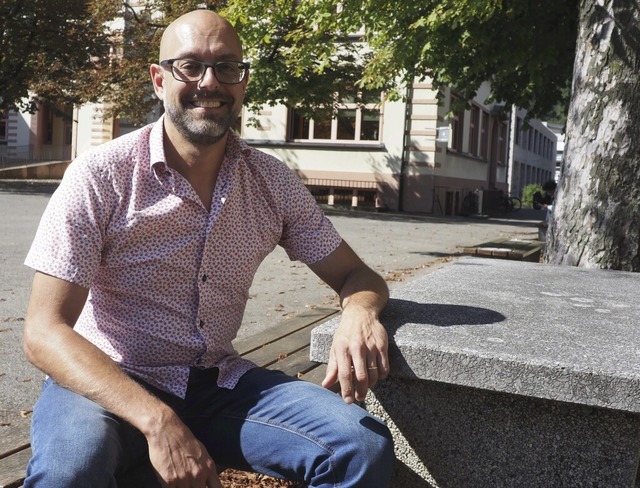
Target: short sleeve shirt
{"points": [[169, 280]]}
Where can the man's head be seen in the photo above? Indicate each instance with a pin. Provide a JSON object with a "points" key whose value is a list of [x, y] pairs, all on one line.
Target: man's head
{"points": [[550, 187], [201, 111]]}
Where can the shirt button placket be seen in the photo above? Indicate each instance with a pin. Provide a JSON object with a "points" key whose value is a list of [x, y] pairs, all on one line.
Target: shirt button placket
{"points": [[204, 280]]}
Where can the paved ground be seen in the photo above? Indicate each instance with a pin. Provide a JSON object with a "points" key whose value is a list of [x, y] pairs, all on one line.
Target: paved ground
{"points": [[399, 247]]}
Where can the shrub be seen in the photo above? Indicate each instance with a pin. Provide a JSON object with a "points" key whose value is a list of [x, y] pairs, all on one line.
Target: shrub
{"points": [[527, 194]]}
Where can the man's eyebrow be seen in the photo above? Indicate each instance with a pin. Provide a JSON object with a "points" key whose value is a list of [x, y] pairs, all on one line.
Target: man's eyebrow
{"points": [[222, 57]]}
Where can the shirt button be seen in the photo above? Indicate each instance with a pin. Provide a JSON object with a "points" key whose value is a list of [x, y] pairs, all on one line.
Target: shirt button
{"points": [[201, 324], [204, 278]]}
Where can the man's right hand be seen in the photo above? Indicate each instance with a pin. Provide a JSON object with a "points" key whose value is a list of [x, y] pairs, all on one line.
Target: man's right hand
{"points": [[180, 460]]}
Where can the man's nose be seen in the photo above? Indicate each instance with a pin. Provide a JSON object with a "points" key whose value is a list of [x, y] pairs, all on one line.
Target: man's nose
{"points": [[209, 77]]}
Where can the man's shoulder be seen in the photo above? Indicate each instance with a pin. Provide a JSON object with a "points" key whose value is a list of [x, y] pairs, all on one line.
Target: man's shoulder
{"points": [[128, 147], [259, 161]]}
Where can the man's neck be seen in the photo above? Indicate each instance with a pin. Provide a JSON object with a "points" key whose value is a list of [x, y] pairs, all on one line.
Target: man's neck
{"points": [[198, 164]]}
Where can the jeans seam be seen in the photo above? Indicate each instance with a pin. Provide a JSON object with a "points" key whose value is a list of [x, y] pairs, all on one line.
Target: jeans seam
{"points": [[295, 431]]}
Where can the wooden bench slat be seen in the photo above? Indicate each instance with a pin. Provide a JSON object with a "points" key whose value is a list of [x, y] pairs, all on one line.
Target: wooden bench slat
{"points": [[295, 364], [14, 438], [316, 375], [286, 346], [515, 249], [13, 469], [284, 328]]}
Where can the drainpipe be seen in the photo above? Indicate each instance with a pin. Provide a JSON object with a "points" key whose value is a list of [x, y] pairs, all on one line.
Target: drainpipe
{"points": [[511, 148], [404, 161], [74, 133]]}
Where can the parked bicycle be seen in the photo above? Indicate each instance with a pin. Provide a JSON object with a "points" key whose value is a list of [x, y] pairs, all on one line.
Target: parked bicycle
{"points": [[507, 204], [470, 203]]}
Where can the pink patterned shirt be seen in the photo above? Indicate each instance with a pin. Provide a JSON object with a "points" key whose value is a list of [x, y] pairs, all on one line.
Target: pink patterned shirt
{"points": [[169, 280]]}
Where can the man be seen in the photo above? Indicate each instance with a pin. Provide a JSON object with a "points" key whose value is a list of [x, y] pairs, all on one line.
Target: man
{"points": [[143, 260], [545, 201]]}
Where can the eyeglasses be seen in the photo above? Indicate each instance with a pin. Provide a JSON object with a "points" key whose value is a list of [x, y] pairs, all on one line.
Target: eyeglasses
{"points": [[191, 71]]}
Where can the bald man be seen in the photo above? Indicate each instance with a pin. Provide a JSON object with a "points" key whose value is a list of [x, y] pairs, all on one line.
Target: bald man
{"points": [[144, 258]]}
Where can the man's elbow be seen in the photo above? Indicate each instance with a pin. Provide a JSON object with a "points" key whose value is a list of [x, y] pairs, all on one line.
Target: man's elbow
{"points": [[30, 343]]}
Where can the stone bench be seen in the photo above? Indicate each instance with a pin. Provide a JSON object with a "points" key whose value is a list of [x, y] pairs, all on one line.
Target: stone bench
{"points": [[511, 374]]}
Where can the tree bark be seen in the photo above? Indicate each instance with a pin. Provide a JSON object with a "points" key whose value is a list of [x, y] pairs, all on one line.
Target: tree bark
{"points": [[596, 216]]}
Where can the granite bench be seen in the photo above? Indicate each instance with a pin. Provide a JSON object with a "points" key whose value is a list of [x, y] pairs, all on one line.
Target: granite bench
{"points": [[511, 374]]}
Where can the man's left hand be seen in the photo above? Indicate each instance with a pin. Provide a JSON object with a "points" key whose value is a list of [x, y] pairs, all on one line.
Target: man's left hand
{"points": [[359, 354]]}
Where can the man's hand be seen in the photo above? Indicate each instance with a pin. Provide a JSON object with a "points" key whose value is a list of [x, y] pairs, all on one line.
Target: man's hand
{"points": [[358, 354], [179, 459]]}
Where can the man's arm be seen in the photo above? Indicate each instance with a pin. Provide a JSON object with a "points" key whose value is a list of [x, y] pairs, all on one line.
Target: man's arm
{"points": [[360, 342], [51, 344]]}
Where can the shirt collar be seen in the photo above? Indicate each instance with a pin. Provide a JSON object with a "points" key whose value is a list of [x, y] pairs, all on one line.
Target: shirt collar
{"points": [[235, 145], [156, 146]]}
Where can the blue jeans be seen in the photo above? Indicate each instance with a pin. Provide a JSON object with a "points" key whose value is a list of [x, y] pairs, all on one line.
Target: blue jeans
{"points": [[270, 423]]}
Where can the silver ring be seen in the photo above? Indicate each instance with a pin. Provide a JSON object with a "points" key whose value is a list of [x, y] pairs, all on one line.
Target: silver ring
{"points": [[372, 367]]}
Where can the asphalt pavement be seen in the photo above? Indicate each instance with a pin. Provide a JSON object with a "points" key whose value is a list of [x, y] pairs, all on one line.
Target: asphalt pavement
{"points": [[400, 247]]}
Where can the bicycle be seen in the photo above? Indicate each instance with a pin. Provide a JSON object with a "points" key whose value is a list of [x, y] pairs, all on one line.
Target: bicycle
{"points": [[508, 204], [470, 203]]}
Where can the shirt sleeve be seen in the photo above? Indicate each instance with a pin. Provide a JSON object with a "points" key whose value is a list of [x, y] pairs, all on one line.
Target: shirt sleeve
{"points": [[308, 235], [68, 242]]}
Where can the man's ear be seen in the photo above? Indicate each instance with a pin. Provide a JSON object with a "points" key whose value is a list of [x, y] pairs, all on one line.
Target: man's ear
{"points": [[157, 78]]}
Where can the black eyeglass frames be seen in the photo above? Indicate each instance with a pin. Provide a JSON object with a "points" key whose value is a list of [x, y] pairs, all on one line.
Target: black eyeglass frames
{"points": [[191, 71]]}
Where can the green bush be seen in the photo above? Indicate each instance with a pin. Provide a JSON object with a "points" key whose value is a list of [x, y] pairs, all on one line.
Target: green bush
{"points": [[527, 194]]}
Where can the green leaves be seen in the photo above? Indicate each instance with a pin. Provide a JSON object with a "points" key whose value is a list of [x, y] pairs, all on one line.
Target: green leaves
{"points": [[302, 51]]}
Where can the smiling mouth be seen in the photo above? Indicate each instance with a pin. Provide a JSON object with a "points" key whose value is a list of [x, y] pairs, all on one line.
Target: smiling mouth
{"points": [[207, 103]]}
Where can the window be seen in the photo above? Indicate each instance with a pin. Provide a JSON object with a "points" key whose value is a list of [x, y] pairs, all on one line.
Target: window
{"points": [[458, 127], [484, 136], [47, 125], [474, 131], [502, 143], [354, 122], [4, 132], [518, 133]]}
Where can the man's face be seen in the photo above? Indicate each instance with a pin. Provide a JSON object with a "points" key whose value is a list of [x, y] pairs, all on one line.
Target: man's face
{"points": [[202, 115], [202, 112]]}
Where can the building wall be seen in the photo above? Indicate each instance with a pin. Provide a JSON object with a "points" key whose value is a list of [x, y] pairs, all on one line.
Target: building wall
{"points": [[409, 168], [534, 153]]}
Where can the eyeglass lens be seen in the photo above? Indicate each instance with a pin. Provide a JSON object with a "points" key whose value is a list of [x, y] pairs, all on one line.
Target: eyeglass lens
{"points": [[225, 72]]}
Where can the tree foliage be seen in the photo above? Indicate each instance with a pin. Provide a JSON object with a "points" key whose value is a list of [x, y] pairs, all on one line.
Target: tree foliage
{"points": [[49, 51], [303, 52]]}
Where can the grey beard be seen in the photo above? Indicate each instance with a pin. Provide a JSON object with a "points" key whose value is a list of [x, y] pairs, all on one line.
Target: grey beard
{"points": [[206, 131]]}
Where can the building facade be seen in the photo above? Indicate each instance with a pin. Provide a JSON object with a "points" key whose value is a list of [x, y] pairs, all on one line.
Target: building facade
{"points": [[417, 155]]}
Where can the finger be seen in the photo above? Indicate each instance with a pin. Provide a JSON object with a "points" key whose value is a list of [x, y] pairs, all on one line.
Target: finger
{"points": [[214, 481], [331, 376], [361, 376], [373, 371], [383, 365], [345, 378]]}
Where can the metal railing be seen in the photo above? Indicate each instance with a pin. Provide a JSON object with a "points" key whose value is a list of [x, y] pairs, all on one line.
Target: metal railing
{"points": [[12, 156]]}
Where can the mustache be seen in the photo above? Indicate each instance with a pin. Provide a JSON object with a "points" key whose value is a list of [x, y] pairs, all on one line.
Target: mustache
{"points": [[204, 95]]}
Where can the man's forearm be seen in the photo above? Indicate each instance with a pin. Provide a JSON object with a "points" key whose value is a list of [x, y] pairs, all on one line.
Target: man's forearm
{"points": [[78, 365], [366, 288]]}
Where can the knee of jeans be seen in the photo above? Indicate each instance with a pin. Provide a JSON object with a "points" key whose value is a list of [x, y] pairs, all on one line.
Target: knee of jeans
{"points": [[58, 475], [74, 457], [377, 441]]}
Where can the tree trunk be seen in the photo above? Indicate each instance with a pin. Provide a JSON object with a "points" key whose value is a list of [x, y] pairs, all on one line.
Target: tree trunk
{"points": [[596, 216]]}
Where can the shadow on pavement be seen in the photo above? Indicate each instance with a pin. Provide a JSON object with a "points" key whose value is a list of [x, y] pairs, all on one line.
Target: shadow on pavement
{"points": [[46, 187]]}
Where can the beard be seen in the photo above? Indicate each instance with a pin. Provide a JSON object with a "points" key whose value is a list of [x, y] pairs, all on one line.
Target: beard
{"points": [[201, 130]]}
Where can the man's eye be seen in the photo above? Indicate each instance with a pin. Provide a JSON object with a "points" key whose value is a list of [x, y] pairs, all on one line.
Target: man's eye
{"points": [[189, 67], [227, 68]]}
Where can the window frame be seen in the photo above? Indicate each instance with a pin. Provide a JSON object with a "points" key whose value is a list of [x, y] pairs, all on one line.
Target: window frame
{"points": [[360, 111]]}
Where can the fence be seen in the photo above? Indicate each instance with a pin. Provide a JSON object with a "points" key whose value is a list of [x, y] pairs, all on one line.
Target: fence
{"points": [[12, 156]]}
